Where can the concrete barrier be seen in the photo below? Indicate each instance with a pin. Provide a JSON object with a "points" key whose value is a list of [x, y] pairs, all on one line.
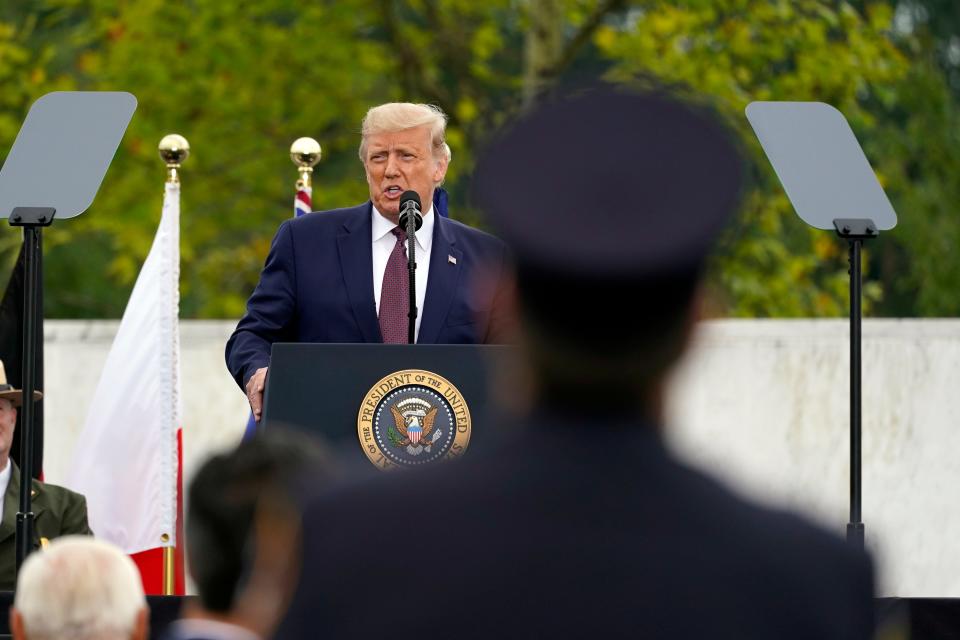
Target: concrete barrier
{"points": [[761, 403]]}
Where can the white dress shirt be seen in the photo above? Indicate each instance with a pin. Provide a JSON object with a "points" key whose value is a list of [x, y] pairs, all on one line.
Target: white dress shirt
{"points": [[4, 482], [383, 244]]}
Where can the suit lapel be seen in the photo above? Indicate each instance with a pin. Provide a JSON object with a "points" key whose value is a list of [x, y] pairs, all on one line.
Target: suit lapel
{"points": [[441, 284], [11, 504], [354, 244]]}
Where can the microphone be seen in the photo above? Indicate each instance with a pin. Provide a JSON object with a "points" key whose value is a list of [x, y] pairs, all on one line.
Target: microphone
{"points": [[411, 221], [410, 204]]}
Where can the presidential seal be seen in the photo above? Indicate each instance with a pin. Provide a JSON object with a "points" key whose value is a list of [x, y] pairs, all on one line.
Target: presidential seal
{"points": [[412, 418]]}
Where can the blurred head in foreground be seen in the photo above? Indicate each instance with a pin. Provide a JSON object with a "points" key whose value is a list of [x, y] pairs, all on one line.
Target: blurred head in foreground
{"points": [[242, 528], [79, 588], [611, 201]]}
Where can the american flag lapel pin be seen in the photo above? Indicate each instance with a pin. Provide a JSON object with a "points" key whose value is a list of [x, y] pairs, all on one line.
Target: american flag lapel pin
{"points": [[451, 260]]}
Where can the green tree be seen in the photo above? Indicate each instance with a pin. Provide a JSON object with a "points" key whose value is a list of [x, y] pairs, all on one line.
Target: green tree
{"points": [[24, 76], [738, 51], [242, 80]]}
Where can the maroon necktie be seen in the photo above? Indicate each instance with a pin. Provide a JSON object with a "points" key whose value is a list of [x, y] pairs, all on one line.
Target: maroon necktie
{"points": [[395, 293]]}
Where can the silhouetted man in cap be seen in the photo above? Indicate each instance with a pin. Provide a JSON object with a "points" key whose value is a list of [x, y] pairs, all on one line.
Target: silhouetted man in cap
{"points": [[582, 523], [242, 532]]}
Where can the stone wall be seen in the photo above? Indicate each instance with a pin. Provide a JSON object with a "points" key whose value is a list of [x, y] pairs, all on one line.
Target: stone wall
{"points": [[763, 404]]}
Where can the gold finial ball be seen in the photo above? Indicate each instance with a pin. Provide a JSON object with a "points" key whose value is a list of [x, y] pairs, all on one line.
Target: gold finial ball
{"points": [[174, 148], [305, 152]]}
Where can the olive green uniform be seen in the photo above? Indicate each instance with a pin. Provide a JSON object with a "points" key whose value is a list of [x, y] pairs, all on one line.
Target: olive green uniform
{"points": [[57, 512]]}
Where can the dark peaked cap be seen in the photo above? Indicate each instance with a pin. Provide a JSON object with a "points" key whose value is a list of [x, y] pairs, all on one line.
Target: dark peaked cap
{"points": [[611, 183]]}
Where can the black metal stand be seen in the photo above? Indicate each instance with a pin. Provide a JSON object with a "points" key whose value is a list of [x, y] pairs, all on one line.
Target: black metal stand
{"points": [[855, 231], [412, 270], [32, 219]]}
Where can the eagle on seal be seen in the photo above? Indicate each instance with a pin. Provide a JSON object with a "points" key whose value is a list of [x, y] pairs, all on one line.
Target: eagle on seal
{"points": [[413, 425]]}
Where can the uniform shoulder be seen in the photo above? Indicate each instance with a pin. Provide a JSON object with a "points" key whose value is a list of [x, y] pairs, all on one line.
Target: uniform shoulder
{"points": [[60, 511], [55, 493]]}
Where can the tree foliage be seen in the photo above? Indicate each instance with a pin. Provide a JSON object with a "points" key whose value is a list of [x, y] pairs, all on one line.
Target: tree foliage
{"points": [[243, 80], [738, 51]]}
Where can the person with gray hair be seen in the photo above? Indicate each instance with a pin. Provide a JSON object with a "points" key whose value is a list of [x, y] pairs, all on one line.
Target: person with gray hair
{"points": [[341, 275], [79, 588]]}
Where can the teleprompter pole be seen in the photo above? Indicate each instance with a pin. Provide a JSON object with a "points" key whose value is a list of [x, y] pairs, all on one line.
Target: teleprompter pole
{"points": [[855, 232], [32, 219]]}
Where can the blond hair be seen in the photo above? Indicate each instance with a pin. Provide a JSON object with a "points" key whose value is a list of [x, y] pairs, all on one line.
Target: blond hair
{"points": [[400, 116]]}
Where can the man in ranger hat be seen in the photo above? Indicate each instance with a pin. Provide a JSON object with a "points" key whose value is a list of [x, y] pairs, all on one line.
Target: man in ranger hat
{"points": [[57, 511]]}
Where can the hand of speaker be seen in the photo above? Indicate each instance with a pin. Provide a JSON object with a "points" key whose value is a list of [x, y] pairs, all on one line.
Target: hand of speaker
{"points": [[255, 391]]}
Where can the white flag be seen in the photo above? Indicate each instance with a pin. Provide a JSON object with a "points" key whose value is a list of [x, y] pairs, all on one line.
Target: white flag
{"points": [[125, 461]]}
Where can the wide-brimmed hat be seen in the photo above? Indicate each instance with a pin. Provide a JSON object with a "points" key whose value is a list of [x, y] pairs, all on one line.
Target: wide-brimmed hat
{"points": [[7, 392]]}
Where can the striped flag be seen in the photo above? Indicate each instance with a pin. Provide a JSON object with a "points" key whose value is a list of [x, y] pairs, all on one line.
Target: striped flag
{"points": [[302, 201], [302, 204], [128, 459]]}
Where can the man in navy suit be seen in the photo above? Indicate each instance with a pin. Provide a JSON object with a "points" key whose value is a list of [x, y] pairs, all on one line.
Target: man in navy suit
{"points": [[580, 522], [327, 274]]}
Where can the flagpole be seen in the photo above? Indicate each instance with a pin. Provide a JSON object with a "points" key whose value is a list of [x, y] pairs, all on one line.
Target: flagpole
{"points": [[305, 153], [173, 149], [169, 571]]}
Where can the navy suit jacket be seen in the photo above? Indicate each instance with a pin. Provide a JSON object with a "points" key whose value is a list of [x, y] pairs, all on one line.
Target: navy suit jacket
{"points": [[569, 528], [317, 286]]}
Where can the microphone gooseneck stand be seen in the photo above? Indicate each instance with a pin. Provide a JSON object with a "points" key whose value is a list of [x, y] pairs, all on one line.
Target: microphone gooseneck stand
{"points": [[411, 220], [412, 270]]}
